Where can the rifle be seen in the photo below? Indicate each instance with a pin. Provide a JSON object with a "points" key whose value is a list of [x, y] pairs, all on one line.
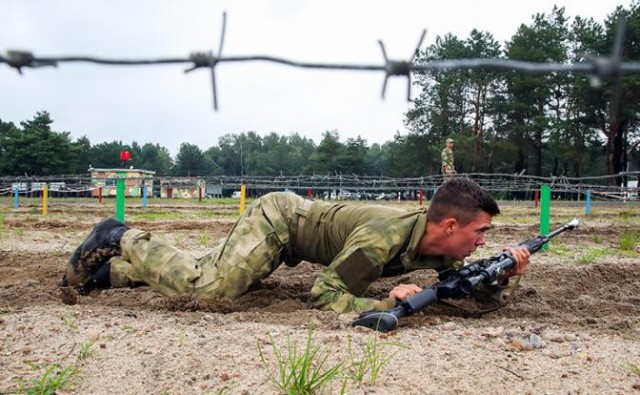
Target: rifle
{"points": [[454, 284]]}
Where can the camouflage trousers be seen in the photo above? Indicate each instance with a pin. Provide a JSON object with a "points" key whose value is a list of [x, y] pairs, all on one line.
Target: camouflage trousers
{"points": [[261, 239]]}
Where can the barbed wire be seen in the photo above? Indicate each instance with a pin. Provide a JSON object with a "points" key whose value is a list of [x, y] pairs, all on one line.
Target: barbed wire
{"points": [[601, 187], [599, 68]]}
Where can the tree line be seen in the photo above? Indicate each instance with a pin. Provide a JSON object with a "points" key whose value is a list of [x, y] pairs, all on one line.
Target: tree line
{"points": [[502, 121]]}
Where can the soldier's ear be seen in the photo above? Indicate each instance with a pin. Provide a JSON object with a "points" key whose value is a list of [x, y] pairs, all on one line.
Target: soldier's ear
{"points": [[449, 224]]}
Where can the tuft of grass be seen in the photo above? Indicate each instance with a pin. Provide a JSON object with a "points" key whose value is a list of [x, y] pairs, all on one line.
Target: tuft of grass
{"points": [[301, 371], [128, 328], [629, 240], [371, 361], [592, 255], [203, 238], [156, 215], [625, 215], [85, 350], [70, 323], [588, 259], [561, 250], [51, 378], [180, 241], [632, 367], [307, 371]]}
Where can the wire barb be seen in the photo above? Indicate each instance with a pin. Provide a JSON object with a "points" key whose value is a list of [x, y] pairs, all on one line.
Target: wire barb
{"points": [[399, 68], [210, 60], [20, 59]]}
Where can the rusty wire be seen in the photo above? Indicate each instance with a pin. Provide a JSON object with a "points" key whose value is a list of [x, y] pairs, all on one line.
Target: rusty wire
{"points": [[597, 67]]}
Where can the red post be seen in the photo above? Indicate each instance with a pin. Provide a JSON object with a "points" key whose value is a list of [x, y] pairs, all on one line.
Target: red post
{"points": [[309, 193], [100, 195], [420, 195], [200, 194], [536, 198]]}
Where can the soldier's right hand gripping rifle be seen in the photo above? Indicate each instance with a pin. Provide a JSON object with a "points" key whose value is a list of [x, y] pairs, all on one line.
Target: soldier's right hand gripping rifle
{"points": [[454, 284]]}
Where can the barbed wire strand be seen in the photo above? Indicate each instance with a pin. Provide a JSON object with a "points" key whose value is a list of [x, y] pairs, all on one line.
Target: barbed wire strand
{"points": [[496, 182], [598, 67]]}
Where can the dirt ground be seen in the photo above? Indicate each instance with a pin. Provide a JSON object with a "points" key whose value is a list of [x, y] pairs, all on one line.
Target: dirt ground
{"points": [[572, 327]]}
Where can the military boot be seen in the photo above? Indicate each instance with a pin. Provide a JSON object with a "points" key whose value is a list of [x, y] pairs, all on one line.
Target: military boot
{"points": [[102, 244]]}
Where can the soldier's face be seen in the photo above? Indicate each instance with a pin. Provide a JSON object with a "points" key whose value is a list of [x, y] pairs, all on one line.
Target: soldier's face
{"points": [[466, 239]]}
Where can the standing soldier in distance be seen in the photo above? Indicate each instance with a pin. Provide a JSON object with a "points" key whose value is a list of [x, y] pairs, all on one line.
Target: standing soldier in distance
{"points": [[447, 159]]}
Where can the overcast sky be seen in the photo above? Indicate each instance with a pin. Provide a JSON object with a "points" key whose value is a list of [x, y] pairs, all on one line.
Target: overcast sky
{"points": [[162, 104]]}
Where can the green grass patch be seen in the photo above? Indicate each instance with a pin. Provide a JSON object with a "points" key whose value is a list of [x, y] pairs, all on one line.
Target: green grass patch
{"points": [[307, 370], [70, 323], [370, 361], [50, 379], [632, 367], [629, 240], [128, 328], [203, 238], [593, 255], [168, 214], [86, 349], [156, 215], [626, 215], [303, 371], [561, 250]]}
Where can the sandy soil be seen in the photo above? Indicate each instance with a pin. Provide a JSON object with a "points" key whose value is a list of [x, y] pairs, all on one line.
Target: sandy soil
{"points": [[572, 327]]}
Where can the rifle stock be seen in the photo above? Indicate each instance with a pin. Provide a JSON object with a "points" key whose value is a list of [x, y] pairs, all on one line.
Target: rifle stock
{"points": [[454, 284]]}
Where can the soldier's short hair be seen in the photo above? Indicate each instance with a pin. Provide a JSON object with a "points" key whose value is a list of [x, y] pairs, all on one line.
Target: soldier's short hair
{"points": [[462, 199], [449, 141]]}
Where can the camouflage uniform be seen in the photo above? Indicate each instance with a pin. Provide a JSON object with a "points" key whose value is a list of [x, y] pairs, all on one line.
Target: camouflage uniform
{"points": [[357, 244], [447, 161]]}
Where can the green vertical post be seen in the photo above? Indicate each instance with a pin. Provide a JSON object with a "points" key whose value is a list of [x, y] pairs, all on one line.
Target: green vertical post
{"points": [[545, 210], [120, 199]]}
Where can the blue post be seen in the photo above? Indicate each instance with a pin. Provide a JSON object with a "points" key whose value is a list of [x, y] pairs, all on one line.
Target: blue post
{"points": [[144, 196], [16, 202], [588, 202]]}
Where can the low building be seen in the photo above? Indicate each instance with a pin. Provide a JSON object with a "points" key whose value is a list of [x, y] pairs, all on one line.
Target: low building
{"points": [[181, 187]]}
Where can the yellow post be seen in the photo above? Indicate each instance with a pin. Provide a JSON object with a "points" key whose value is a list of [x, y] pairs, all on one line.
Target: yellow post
{"points": [[243, 191], [45, 193]]}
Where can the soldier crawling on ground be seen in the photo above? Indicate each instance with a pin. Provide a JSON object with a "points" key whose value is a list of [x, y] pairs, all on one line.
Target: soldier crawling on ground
{"points": [[357, 244]]}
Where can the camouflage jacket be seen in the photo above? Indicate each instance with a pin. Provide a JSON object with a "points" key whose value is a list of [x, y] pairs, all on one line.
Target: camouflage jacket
{"points": [[359, 244], [447, 159]]}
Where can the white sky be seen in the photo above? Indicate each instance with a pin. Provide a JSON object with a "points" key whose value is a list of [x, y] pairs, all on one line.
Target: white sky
{"points": [[161, 104]]}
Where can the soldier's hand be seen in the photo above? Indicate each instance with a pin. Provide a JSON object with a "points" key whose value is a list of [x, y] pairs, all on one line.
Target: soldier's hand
{"points": [[521, 255], [403, 291]]}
